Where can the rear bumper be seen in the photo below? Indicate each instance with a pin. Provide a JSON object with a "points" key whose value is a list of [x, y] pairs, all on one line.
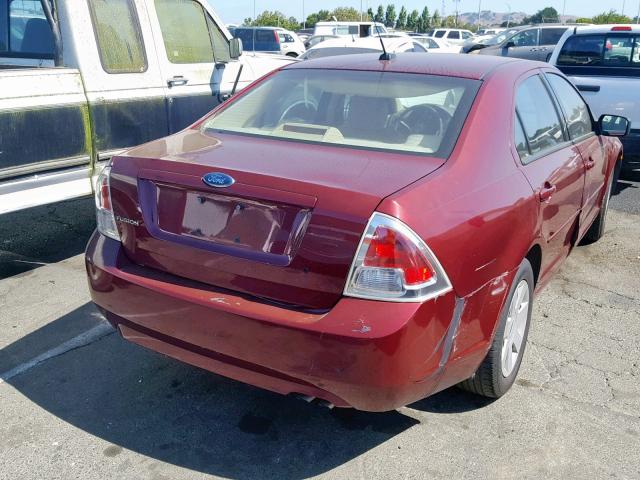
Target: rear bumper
{"points": [[370, 355]]}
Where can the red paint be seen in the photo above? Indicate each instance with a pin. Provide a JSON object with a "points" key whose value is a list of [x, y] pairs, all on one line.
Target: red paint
{"points": [[262, 301]]}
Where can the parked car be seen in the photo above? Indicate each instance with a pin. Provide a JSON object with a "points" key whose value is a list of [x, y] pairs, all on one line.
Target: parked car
{"points": [[454, 36], [477, 43], [270, 39], [130, 71], [531, 43], [344, 29], [603, 61], [336, 263], [350, 46], [316, 39], [436, 45], [489, 31]]}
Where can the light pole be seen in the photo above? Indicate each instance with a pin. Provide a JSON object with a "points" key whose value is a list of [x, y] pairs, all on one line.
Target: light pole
{"points": [[304, 18], [564, 6], [623, 5], [509, 17], [638, 16], [479, 8]]}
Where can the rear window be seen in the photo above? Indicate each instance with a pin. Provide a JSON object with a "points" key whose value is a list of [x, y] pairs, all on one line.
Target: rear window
{"points": [[258, 40], [372, 110], [601, 51]]}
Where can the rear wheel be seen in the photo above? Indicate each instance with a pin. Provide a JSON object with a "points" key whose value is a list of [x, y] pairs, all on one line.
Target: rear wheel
{"points": [[596, 231], [499, 369]]}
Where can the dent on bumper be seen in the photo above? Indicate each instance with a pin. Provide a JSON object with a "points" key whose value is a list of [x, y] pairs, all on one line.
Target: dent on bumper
{"points": [[370, 355]]}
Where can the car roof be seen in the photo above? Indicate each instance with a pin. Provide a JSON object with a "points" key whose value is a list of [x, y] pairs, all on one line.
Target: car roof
{"points": [[454, 65], [587, 29]]}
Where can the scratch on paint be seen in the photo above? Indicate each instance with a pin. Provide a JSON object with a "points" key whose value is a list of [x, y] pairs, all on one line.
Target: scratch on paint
{"points": [[363, 328], [219, 300]]}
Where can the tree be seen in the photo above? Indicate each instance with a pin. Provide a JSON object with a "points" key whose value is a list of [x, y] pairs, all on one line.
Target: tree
{"points": [[610, 17], [379, 17], [424, 22], [390, 16], [320, 16], [412, 20], [401, 24], [370, 14], [436, 21], [450, 21], [273, 19], [583, 20], [546, 15], [345, 14]]}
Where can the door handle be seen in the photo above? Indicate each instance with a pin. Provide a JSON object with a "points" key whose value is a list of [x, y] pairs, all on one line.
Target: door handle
{"points": [[546, 192], [176, 81], [589, 164]]}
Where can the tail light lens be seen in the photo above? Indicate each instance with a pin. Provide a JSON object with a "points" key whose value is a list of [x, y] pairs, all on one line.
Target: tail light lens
{"points": [[104, 208], [394, 264]]}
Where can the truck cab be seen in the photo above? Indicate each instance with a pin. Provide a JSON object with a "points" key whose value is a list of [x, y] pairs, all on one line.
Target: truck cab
{"points": [[81, 81]]}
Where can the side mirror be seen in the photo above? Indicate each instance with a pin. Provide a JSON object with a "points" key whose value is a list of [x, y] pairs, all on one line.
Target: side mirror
{"points": [[509, 44], [613, 126], [235, 48]]}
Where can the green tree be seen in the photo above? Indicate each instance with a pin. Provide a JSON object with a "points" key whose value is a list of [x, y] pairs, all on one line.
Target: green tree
{"points": [[379, 17], [450, 21], [273, 19], [370, 14], [390, 16], [610, 17], [583, 20], [345, 14], [436, 21], [320, 16], [412, 20], [546, 15], [401, 24], [425, 21]]}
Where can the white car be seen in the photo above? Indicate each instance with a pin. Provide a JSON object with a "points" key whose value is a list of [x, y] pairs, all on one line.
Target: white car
{"points": [[437, 45], [603, 61], [359, 29], [290, 43], [349, 45], [455, 36]]}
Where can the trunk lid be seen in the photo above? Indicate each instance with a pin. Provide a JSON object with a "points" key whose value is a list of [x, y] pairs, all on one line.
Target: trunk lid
{"points": [[285, 231]]}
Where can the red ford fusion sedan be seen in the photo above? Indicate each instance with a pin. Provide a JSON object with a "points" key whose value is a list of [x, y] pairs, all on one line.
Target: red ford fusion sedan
{"points": [[362, 231]]}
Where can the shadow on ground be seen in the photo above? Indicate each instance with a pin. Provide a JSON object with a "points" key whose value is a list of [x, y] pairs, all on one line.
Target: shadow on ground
{"points": [[40, 235], [141, 401]]}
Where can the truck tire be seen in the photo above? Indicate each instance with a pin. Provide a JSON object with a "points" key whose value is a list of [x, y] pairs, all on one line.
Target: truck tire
{"points": [[499, 369]]}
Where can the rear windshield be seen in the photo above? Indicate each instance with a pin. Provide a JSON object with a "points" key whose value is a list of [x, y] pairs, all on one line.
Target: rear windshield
{"points": [[257, 39], [385, 111], [601, 51]]}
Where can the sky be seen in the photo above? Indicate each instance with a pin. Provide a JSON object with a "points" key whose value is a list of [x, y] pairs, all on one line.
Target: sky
{"points": [[235, 11]]}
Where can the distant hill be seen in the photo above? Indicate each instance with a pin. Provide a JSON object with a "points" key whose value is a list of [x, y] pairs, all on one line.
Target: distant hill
{"points": [[487, 17]]}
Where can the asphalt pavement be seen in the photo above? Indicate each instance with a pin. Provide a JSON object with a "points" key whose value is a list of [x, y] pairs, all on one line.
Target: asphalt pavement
{"points": [[79, 402]]}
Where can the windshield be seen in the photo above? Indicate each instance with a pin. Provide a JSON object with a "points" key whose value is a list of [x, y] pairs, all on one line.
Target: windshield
{"points": [[378, 110]]}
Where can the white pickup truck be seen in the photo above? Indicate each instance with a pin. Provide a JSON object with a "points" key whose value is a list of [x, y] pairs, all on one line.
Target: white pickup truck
{"points": [[81, 80], [603, 61]]}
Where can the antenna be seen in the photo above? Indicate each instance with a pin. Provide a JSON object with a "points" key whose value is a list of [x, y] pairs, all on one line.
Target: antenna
{"points": [[385, 56]]}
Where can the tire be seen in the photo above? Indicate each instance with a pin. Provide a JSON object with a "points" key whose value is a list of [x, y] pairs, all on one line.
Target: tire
{"points": [[490, 379], [597, 228]]}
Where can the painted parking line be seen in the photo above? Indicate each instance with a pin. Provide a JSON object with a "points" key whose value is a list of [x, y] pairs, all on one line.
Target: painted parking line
{"points": [[96, 333]]}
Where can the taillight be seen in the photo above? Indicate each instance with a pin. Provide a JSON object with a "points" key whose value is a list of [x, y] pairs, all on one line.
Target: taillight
{"points": [[621, 28], [394, 264], [105, 219]]}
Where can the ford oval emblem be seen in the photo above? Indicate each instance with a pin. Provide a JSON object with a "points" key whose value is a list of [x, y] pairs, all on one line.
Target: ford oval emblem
{"points": [[218, 180]]}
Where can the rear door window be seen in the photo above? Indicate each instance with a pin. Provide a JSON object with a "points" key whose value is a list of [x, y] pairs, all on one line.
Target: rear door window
{"points": [[184, 31], [117, 31], [615, 54], [551, 36], [25, 31], [540, 120]]}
